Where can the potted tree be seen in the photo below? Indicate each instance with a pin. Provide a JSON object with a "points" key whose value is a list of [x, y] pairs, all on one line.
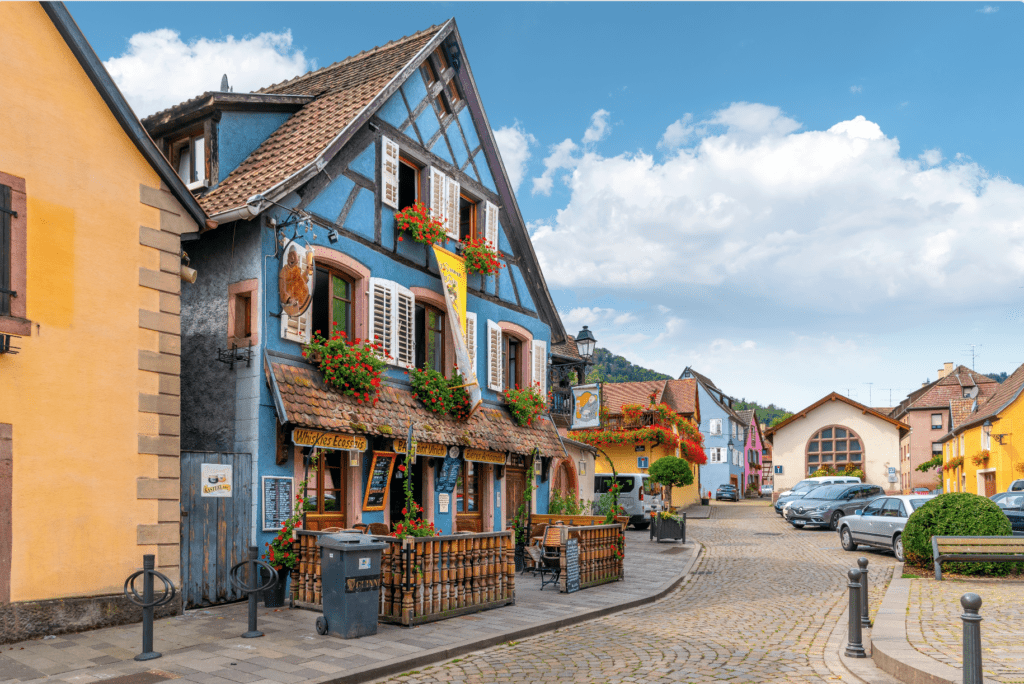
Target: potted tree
{"points": [[670, 471]]}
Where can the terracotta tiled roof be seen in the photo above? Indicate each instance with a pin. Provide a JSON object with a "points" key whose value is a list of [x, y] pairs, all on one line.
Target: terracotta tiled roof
{"points": [[615, 394], [835, 396], [306, 401], [342, 90], [746, 416], [938, 393], [960, 410], [1007, 392], [681, 395], [884, 410], [567, 349]]}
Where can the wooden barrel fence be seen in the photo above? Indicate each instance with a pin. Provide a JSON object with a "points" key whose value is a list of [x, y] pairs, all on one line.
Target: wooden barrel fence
{"points": [[602, 550], [424, 578]]}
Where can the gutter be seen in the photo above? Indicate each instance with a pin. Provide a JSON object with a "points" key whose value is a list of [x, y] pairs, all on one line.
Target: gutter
{"points": [[243, 213]]}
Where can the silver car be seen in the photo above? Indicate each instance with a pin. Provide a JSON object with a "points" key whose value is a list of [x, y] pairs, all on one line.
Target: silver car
{"points": [[880, 523]]}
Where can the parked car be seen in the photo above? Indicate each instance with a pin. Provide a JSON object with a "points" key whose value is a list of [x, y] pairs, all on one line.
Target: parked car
{"points": [[1012, 505], [826, 505], [812, 482], [727, 491], [1008, 499], [635, 496], [923, 491], [766, 490], [880, 523], [1016, 486]]}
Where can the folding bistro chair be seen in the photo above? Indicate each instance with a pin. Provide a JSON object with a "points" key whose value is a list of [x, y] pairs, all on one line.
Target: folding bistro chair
{"points": [[551, 555]]}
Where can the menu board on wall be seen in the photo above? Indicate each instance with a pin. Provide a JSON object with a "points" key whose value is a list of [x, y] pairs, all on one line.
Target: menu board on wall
{"points": [[381, 466], [449, 474], [277, 501], [572, 565]]}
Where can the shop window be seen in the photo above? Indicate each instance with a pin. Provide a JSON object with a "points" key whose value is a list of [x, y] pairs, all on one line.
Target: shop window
{"points": [[429, 338], [332, 303], [467, 219], [408, 183], [325, 492], [188, 157], [467, 489]]}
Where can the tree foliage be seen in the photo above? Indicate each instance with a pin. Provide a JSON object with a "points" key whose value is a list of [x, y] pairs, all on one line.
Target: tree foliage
{"points": [[607, 367], [955, 515], [671, 471], [998, 377]]}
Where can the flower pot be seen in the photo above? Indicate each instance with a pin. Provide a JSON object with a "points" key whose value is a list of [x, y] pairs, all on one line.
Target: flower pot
{"points": [[274, 597], [705, 502]]}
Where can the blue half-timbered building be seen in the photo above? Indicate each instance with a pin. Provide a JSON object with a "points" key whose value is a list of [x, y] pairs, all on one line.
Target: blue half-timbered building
{"points": [[309, 174]]}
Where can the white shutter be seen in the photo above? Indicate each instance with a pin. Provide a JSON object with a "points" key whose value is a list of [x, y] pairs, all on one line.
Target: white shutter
{"points": [[452, 212], [438, 193], [389, 172], [494, 356], [471, 339], [382, 307], [539, 366], [491, 226], [404, 327], [297, 328]]}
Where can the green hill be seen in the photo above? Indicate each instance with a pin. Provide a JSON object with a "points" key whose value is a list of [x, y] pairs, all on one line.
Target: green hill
{"points": [[770, 414], [607, 367]]}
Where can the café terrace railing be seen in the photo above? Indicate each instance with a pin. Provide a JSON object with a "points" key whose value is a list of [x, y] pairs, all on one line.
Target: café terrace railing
{"points": [[424, 578], [601, 552]]}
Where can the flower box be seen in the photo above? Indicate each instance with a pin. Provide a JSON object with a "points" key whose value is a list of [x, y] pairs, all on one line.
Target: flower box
{"points": [[669, 528]]}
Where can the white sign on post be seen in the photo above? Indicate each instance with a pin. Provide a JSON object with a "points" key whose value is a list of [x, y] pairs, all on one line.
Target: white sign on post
{"points": [[215, 479]]}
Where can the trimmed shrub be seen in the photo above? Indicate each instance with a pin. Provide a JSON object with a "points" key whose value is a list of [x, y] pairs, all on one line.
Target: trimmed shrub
{"points": [[955, 515]]}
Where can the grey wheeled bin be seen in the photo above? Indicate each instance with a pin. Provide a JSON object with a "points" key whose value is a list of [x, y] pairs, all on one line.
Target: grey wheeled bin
{"points": [[350, 581]]}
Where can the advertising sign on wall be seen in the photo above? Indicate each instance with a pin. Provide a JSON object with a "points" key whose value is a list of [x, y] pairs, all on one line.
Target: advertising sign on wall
{"points": [[586, 406], [216, 479], [453, 280]]}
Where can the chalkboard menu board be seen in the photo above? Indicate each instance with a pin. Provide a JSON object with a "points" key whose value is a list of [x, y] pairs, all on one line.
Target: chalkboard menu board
{"points": [[449, 475], [277, 501], [380, 480], [572, 565]]}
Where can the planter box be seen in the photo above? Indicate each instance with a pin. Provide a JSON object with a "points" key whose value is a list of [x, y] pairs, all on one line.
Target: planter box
{"points": [[666, 528]]}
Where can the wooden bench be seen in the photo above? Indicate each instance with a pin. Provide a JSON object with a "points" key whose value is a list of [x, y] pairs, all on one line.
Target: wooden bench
{"points": [[983, 549]]}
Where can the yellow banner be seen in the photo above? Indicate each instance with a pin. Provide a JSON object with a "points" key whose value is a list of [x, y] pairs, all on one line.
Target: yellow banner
{"points": [[453, 278], [480, 456], [422, 448], [328, 440]]}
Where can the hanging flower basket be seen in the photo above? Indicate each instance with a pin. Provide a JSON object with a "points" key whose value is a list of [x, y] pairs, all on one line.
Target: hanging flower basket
{"points": [[480, 258], [525, 404], [415, 221], [981, 458]]}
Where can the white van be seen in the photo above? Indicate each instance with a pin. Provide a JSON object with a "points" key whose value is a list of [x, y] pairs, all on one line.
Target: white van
{"points": [[637, 496]]}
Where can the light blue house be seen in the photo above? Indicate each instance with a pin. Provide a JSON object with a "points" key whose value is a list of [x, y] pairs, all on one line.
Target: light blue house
{"points": [[725, 436], [305, 177]]}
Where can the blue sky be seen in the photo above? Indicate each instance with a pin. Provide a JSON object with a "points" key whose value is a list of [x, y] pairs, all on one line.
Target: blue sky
{"points": [[794, 198]]}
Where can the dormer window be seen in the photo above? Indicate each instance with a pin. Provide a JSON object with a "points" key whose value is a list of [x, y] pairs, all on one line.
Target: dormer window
{"points": [[188, 157]]}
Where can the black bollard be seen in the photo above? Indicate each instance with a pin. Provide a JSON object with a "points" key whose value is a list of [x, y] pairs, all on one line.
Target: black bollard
{"points": [[862, 563], [254, 575], [972, 638], [148, 565], [854, 645]]}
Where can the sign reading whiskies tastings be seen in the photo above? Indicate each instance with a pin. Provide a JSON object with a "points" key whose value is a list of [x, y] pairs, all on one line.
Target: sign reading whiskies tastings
{"points": [[328, 440], [481, 456]]}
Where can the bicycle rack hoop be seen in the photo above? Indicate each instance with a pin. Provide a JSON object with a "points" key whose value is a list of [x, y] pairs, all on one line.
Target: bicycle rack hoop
{"points": [[133, 595]]}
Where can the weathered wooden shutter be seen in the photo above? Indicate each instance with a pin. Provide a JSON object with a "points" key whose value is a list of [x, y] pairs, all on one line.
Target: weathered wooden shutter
{"points": [[297, 328], [452, 211], [491, 226], [405, 327], [389, 172], [539, 366], [438, 194], [494, 356], [382, 307], [471, 339]]}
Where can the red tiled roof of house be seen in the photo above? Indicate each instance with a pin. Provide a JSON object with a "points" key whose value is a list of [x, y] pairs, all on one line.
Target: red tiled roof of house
{"points": [[1006, 393], [307, 401], [567, 349], [679, 395], [342, 91], [939, 393], [959, 410]]}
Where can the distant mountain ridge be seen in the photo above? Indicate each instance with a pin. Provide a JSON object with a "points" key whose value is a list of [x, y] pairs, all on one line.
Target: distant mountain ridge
{"points": [[607, 367]]}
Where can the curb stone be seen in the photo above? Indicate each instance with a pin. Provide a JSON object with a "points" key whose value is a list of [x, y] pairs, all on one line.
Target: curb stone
{"points": [[892, 650], [372, 673]]}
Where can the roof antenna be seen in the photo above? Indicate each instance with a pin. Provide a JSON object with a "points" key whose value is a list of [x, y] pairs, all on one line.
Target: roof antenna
{"points": [[224, 88]]}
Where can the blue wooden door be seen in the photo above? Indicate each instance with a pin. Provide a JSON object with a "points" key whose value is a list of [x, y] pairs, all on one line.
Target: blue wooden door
{"points": [[216, 524]]}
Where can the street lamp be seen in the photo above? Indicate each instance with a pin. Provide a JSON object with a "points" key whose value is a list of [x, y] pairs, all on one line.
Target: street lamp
{"points": [[585, 344]]}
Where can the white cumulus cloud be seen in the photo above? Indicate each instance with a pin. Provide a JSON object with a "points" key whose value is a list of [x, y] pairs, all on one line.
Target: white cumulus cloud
{"points": [[514, 143], [159, 69], [599, 127], [803, 219], [563, 156]]}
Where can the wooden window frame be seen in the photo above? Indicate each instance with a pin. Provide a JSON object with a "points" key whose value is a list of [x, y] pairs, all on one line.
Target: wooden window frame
{"points": [[429, 72], [417, 176], [429, 306], [237, 294], [474, 221], [816, 437], [349, 328], [341, 513], [190, 138], [13, 321], [463, 490]]}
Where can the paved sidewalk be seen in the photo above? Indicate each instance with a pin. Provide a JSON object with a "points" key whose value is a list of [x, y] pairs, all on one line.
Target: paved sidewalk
{"points": [[934, 627], [204, 645]]}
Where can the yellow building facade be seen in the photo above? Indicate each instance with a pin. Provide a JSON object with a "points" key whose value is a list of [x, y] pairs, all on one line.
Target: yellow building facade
{"points": [[983, 454], [89, 408], [625, 458]]}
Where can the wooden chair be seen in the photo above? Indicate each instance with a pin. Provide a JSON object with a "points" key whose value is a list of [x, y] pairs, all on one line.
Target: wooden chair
{"points": [[551, 555], [379, 529]]}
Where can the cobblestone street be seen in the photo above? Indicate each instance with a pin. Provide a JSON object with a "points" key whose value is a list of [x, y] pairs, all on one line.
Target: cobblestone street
{"points": [[760, 608]]}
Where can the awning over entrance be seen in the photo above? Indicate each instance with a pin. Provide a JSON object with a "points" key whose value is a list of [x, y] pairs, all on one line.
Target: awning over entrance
{"points": [[303, 399]]}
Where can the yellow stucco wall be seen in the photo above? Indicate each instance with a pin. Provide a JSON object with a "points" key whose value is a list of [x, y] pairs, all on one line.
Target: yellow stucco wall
{"points": [[72, 394], [1003, 459], [624, 457]]}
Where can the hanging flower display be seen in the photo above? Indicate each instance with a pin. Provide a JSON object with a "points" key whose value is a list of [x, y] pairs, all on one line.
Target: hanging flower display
{"points": [[480, 258], [352, 368], [525, 404], [416, 221], [431, 388]]}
